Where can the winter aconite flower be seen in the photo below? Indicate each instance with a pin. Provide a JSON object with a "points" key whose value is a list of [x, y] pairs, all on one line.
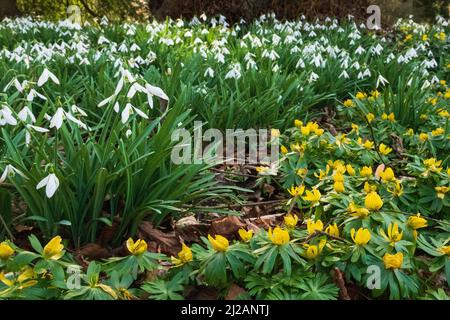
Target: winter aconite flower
{"points": [[357, 211], [441, 191], [348, 103], [393, 261], [290, 220], [373, 201], [416, 222], [136, 248], [312, 196], [332, 230], [279, 236], [5, 251], [445, 250], [219, 243], [296, 191], [387, 175], [393, 235], [360, 237], [246, 235], [365, 172], [312, 251], [184, 256], [385, 150], [54, 249], [313, 226]]}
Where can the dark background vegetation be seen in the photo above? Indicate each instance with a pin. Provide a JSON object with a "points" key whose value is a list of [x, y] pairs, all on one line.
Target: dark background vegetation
{"points": [[234, 10]]}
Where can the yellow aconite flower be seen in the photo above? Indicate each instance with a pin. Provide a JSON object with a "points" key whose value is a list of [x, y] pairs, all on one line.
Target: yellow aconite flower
{"points": [[375, 93], [387, 174], [219, 244], [5, 251], [423, 137], [337, 165], [54, 249], [312, 251], [370, 117], [348, 103], [305, 130], [350, 170], [283, 149], [390, 117], [245, 235], [332, 230], [417, 222], [290, 220], [357, 212], [365, 172], [296, 191], [367, 144], [425, 37], [369, 188], [397, 191], [361, 95], [355, 128], [360, 237], [393, 234], [408, 37], [393, 261], [322, 174], [312, 196], [373, 201], [385, 150], [409, 132], [312, 226], [23, 280], [433, 165], [298, 123], [437, 132], [136, 248], [441, 191], [279, 236], [338, 177], [445, 250], [339, 187], [184, 256], [302, 172]]}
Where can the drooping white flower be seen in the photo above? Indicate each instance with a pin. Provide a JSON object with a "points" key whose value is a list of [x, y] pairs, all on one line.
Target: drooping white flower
{"points": [[33, 93], [26, 113], [47, 74], [10, 171], [57, 120], [7, 117], [51, 184], [381, 80], [129, 108]]}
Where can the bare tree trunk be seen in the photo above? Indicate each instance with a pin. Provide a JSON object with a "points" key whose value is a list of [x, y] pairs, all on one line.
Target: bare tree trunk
{"points": [[8, 8]]}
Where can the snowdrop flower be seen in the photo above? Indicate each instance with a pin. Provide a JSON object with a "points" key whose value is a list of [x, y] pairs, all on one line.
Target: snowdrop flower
{"points": [[209, 72], [10, 171], [33, 93], [57, 119], [25, 113], [51, 184], [46, 74], [6, 116], [129, 108], [381, 80], [154, 91], [235, 72], [313, 77]]}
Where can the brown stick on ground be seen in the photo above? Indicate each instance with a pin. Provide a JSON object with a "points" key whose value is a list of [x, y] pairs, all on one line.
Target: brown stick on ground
{"points": [[341, 284]]}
